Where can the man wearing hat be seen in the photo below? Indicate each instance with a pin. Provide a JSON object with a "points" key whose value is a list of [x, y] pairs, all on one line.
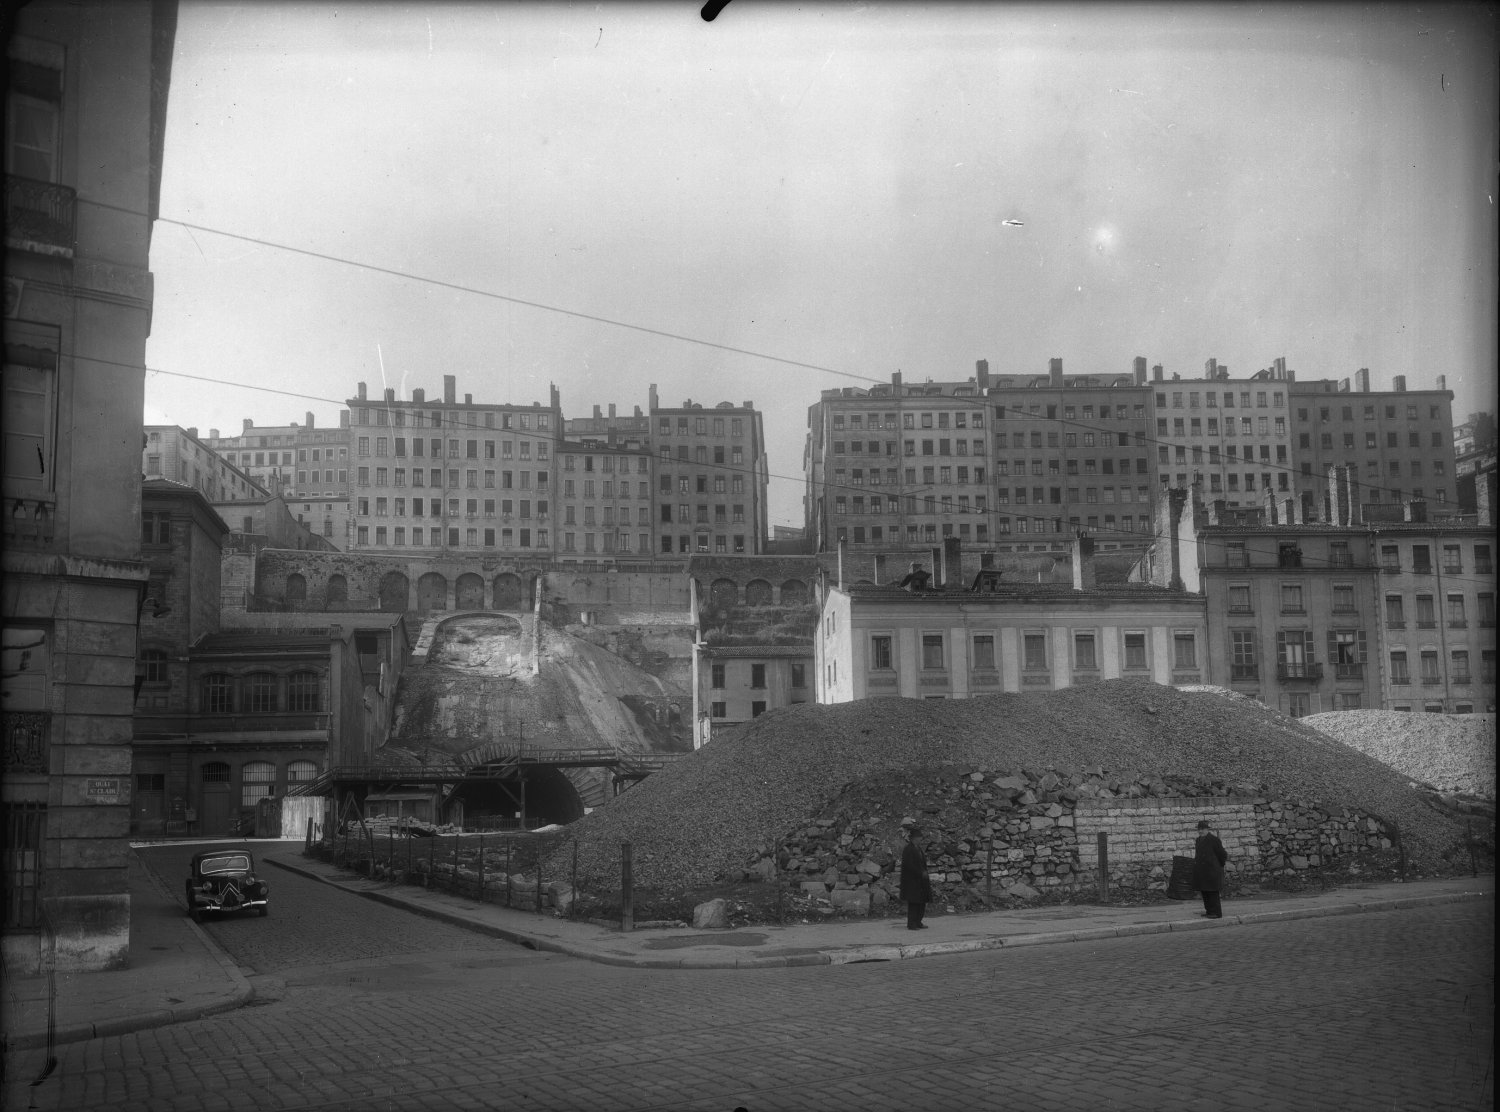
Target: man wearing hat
{"points": [[1208, 869], [916, 888]]}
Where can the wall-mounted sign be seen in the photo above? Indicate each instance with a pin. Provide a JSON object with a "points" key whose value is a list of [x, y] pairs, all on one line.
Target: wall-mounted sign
{"points": [[106, 791]]}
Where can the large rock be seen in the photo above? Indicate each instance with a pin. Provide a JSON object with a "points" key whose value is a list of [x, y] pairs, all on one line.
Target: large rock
{"points": [[855, 901], [711, 916], [1022, 891], [560, 896]]}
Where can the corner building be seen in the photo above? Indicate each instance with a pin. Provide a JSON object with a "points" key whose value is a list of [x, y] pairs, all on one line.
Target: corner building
{"points": [[441, 478]]}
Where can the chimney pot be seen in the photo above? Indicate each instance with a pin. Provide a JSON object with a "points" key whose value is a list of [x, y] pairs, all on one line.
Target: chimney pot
{"points": [[1140, 370], [611, 411], [450, 389], [213, 434], [390, 393], [982, 373], [309, 420], [1055, 371], [419, 395], [468, 399], [362, 392]]}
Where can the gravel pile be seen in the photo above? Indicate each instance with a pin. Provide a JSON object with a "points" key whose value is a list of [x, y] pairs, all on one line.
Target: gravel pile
{"points": [[1453, 753], [705, 816]]}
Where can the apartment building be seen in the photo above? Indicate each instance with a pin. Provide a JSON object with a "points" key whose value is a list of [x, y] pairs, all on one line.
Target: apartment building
{"points": [[1231, 435], [1399, 443], [86, 103], [180, 455], [291, 460], [1436, 584], [444, 477], [605, 501], [711, 476], [956, 643]]}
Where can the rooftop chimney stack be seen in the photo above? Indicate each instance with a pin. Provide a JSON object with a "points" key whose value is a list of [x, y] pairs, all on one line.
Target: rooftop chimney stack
{"points": [[598, 413], [1055, 372], [419, 395], [193, 432], [1362, 380], [1211, 369], [1442, 382], [1156, 372], [953, 575], [213, 434], [450, 390], [895, 378], [390, 393], [1083, 562], [309, 421], [468, 399], [611, 411], [982, 373], [249, 424], [1398, 384], [1140, 370]]}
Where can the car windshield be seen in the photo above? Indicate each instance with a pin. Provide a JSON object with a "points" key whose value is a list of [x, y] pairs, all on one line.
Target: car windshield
{"points": [[229, 863]]}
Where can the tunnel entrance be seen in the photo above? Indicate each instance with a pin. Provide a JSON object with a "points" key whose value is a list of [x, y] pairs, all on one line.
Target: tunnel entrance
{"points": [[545, 794]]}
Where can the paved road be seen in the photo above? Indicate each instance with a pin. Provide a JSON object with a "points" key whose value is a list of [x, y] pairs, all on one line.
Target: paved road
{"points": [[1386, 1011]]}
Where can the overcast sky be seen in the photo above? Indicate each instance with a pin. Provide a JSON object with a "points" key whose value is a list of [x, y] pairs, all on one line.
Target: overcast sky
{"points": [[825, 185]]}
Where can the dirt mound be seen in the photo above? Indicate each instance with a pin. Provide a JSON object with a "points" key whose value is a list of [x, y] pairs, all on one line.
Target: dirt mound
{"points": [[1453, 753], [706, 816]]}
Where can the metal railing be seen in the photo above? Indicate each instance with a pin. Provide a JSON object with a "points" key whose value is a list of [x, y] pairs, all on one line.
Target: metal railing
{"points": [[40, 216]]}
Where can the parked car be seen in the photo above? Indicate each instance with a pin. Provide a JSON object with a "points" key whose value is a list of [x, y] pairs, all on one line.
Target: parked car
{"points": [[225, 880]]}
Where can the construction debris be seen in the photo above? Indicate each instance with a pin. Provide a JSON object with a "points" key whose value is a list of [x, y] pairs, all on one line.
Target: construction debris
{"points": [[1452, 753]]}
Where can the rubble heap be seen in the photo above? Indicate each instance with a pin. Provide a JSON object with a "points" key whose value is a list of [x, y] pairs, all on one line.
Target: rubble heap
{"points": [[709, 816], [1452, 753]]}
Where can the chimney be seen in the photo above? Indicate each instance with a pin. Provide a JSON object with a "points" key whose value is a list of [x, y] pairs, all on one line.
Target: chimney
{"points": [[1211, 369], [879, 570], [362, 392], [554, 397], [651, 398], [193, 432], [309, 422], [953, 572], [1278, 367], [450, 390], [611, 411], [598, 413], [982, 373], [1156, 372], [390, 393], [213, 434], [1484, 496], [1343, 386], [936, 552], [1054, 372], [249, 424], [1362, 380], [1398, 384], [1140, 370], [1083, 562], [1269, 500], [468, 399], [1216, 512], [1291, 510], [747, 405], [895, 378], [1442, 382], [419, 395], [1338, 495], [1416, 510], [637, 411]]}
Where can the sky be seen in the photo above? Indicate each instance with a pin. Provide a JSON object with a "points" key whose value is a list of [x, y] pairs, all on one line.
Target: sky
{"points": [[794, 198]]}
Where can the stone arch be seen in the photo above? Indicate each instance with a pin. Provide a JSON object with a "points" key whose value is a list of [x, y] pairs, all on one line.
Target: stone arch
{"points": [[724, 593], [507, 591], [395, 589], [757, 593], [296, 587], [793, 592], [338, 591], [432, 592], [470, 592]]}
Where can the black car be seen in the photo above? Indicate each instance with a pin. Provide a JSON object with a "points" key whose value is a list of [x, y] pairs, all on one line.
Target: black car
{"points": [[225, 880]]}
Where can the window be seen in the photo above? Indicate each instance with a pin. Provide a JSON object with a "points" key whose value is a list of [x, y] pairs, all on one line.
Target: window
{"points": [[1395, 612], [1034, 657], [880, 651], [932, 651], [1085, 657], [217, 694], [1291, 598], [757, 709], [1460, 670], [1243, 663], [1184, 650], [799, 675], [303, 692], [1135, 652], [257, 780], [1343, 597], [1298, 704], [1426, 612], [1456, 617], [153, 666], [719, 710], [984, 652], [1399, 674], [1294, 654], [260, 693], [758, 675], [1487, 610], [1430, 671], [1239, 598], [1421, 559]]}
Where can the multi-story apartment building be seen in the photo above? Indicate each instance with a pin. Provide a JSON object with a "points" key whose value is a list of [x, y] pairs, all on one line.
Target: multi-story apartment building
{"points": [[1012, 463], [711, 476], [292, 460], [452, 478], [85, 107], [1231, 435], [605, 501], [1437, 593], [1399, 443], [180, 455], [955, 643]]}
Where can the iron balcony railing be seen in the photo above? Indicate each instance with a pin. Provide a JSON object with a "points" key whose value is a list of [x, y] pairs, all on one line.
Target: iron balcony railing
{"points": [[1310, 672], [40, 216]]}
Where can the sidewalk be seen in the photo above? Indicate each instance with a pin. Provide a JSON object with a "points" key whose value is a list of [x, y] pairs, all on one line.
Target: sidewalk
{"points": [[875, 939], [177, 974]]}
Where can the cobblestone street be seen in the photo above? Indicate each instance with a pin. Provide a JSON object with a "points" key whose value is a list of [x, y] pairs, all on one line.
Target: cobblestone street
{"points": [[1390, 1010]]}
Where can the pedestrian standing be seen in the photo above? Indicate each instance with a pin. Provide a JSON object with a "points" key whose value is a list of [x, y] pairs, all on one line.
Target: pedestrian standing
{"points": [[1209, 859], [916, 888]]}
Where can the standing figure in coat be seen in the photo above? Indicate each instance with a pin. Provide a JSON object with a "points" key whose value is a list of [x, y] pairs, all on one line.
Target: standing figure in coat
{"points": [[1208, 869], [916, 888]]}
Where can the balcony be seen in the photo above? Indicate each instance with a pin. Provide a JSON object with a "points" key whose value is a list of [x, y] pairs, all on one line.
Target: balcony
{"points": [[1309, 673], [1421, 569], [1457, 623], [40, 217], [1239, 673], [1427, 625], [27, 734], [1349, 671], [1395, 625], [1453, 569], [1464, 678], [1400, 679], [1391, 568]]}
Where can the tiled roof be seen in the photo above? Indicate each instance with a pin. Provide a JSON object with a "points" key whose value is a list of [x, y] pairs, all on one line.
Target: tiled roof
{"points": [[246, 642], [1019, 592]]}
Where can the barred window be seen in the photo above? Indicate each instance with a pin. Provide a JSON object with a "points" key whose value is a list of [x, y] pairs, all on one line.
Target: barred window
{"points": [[257, 779], [301, 772]]}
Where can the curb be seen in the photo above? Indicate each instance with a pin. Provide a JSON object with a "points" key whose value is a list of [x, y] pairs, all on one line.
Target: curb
{"points": [[878, 953], [243, 993]]}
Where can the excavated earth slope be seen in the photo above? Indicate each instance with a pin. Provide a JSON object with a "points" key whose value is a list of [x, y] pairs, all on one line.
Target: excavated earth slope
{"points": [[1453, 753], [698, 820]]}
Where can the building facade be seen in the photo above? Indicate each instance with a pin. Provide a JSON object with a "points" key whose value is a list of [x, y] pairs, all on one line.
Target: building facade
{"points": [[291, 460], [179, 455], [451, 478], [711, 478], [86, 115]]}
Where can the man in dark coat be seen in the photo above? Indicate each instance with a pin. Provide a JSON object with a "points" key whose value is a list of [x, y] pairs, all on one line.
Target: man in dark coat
{"points": [[916, 889], [1208, 870]]}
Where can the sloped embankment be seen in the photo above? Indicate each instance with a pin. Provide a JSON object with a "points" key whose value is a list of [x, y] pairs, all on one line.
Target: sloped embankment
{"points": [[1453, 753], [477, 687], [708, 814]]}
